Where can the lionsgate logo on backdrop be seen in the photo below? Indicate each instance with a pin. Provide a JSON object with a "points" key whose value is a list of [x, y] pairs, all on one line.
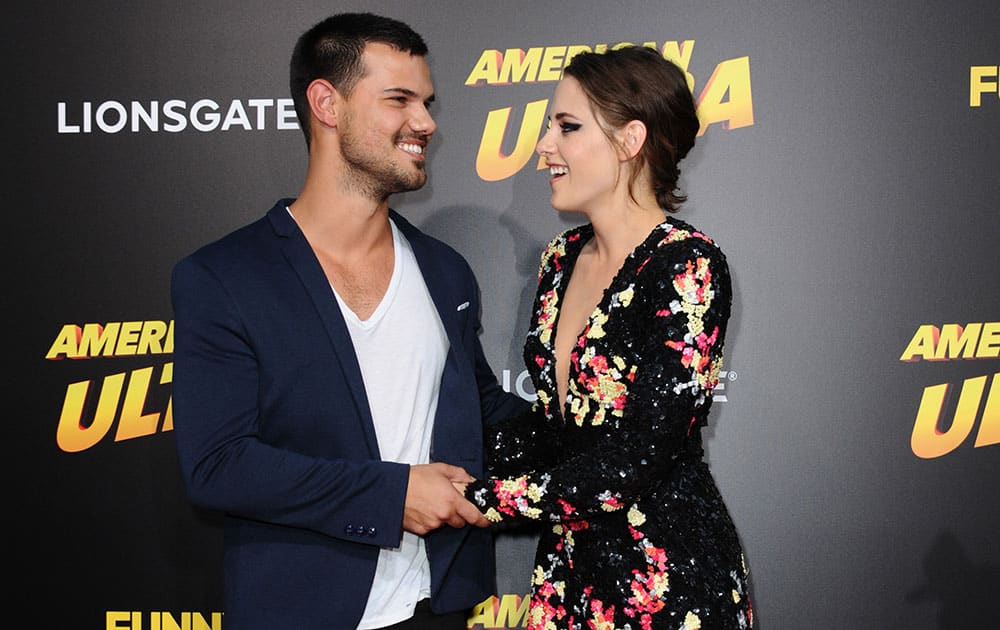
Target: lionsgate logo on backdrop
{"points": [[176, 116]]}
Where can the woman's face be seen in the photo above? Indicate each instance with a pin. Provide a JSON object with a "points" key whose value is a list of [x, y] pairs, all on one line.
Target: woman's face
{"points": [[583, 163]]}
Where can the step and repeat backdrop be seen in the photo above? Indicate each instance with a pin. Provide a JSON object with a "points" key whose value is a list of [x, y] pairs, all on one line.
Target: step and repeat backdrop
{"points": [[847, 165]]}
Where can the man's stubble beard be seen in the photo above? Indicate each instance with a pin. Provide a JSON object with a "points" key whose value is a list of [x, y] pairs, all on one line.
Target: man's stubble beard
{"points": [[377, 176]]}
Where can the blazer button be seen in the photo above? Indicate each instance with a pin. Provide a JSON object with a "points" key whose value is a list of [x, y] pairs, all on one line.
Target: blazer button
{"points": [[349, 530], [371, 532]]}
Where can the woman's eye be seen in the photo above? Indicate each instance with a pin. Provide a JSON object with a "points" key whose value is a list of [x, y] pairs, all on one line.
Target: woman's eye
{"points": [[567, 127]]}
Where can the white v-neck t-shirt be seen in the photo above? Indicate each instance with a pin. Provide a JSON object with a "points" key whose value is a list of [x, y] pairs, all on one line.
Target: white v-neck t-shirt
{"points": [[401, 349]]}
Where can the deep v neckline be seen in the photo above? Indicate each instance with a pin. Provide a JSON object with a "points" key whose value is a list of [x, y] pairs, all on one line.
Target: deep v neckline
{"points": [[559, 286]]}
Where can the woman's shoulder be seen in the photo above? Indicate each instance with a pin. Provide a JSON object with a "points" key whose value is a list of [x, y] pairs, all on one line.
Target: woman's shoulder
{"points": [[676, 229], [684, 262], [675, 238], [677, 249]]}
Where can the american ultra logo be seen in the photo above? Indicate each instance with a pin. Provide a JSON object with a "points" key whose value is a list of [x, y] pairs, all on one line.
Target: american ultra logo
{"points": [[948, 343], [125, 397], [725, 98]]}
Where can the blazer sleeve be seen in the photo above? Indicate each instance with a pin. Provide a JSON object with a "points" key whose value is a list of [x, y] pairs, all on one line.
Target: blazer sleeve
{"points": [[226, 465]]}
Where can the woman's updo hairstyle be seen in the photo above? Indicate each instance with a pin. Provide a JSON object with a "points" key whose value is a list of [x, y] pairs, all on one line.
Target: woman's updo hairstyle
{"points": [[637, 83]]}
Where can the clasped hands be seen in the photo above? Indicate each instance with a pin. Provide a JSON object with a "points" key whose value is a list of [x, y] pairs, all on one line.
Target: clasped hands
{"points": [[434, 498]]}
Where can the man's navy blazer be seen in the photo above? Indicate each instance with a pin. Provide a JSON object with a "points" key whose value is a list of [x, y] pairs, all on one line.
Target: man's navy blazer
{"points": [[273, 428]]}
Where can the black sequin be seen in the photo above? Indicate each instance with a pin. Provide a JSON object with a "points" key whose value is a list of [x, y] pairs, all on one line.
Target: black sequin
{"points": [[634, 531]]}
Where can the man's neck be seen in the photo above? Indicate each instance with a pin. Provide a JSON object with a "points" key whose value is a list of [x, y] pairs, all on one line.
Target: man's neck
{"points": [[335, 221]]}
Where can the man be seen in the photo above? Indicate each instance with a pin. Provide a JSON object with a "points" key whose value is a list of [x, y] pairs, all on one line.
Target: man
{"points": [[326, 354]]}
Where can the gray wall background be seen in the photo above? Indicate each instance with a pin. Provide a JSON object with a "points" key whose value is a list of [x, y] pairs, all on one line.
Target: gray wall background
{"points": [[860, 205]]}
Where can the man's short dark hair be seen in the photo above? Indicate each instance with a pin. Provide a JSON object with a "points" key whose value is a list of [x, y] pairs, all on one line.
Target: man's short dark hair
{"points": [[332, 50]]}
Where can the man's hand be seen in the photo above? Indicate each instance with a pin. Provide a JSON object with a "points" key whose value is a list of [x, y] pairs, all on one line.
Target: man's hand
{"points": [[433, 499]]}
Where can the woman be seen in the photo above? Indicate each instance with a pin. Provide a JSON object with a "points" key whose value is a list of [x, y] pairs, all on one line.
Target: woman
{"points": [[624, 351]]}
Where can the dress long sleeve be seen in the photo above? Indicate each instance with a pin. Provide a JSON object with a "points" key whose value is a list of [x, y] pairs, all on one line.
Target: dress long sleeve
{"points": [[633, 530], [659, 338]]}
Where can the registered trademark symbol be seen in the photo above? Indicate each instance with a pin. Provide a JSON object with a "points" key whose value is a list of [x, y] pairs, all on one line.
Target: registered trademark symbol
{"points": [[731, 375]]}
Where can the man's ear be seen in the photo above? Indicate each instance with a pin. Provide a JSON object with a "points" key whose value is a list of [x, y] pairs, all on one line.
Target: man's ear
{"points": [[323, 98], [632, 136]]}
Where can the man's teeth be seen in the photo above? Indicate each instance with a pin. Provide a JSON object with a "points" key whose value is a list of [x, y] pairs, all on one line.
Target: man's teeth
{"points": [[558, 170], [411, 148]]}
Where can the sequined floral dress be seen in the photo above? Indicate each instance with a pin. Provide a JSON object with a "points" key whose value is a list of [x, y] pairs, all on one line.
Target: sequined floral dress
{"points": [[634, 531]]}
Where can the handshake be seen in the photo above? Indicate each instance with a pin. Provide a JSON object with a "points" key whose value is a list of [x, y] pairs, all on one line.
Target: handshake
{"points": [[435, 497]]}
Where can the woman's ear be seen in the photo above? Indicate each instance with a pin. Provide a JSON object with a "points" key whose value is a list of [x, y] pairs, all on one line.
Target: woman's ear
{"points": [[633, 136]]}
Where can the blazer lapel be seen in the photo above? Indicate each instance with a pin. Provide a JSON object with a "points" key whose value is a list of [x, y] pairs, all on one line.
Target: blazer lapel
{"points": [[302, 259], [436, 279]]}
